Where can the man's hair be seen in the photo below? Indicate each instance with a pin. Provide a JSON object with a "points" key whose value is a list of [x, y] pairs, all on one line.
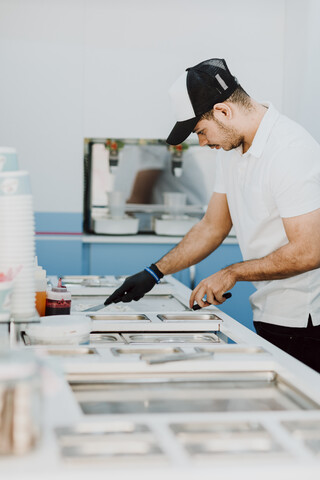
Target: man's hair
{"points": [[239, 96]]}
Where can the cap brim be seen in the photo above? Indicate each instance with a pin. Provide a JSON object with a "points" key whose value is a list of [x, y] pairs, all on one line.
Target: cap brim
{"points": [[181, 131]]}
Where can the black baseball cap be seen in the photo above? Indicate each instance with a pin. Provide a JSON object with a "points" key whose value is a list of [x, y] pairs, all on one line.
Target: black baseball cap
{"points": [[196, 91]]}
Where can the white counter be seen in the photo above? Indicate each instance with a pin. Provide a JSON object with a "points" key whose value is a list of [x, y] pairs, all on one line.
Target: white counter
{"points": [[61, 409], [141, 238]]}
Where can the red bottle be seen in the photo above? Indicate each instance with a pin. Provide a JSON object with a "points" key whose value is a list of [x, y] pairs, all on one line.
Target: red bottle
{"points": [[58, 300]]}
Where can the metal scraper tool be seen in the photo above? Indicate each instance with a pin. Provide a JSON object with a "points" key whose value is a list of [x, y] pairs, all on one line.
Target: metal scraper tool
{"points": [[95, 308]]}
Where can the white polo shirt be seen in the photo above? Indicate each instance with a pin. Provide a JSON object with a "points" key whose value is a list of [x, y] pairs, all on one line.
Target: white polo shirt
{"points": [[278, 177]]}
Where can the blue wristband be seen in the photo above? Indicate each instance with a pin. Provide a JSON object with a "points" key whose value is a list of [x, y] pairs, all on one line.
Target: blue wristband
{"points": [[157, 279]]}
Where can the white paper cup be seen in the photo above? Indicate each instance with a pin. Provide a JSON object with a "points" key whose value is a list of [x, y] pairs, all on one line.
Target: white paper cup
{"points": [[8, 159], [175, 203], [5, 300], [116, 204], [23, 203], [14, 184]]}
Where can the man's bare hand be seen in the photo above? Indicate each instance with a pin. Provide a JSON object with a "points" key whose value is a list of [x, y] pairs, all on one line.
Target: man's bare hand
{"points": [[213, 288]]}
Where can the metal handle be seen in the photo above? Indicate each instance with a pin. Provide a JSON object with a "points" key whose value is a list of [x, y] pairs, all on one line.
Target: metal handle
{"points": [[225, 295]]}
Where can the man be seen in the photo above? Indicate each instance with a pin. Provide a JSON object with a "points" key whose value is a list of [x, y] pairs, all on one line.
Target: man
{"points": [[268, 188]]}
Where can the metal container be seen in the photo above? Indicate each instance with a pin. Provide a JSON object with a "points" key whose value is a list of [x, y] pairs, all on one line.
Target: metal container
{"points": [[121, 318], [187, 393], [205, 441], [109, 442], [187, 429], [149, 303], [117, 352], [190, 317], [306, 430], [234, 350], [105, 338], [70, 352], [170, 337]]}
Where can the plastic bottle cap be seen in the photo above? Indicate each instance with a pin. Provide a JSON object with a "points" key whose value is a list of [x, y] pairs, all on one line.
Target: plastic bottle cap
{"points": [[59, 289], [40, 273], [40, 276]]}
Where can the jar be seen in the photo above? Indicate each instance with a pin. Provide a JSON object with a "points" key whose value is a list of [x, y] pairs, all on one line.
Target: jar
{"points": [[58, 301]]}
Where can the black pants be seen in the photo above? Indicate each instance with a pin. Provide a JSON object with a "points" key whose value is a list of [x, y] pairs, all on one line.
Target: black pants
{"points": [[301, 343]]}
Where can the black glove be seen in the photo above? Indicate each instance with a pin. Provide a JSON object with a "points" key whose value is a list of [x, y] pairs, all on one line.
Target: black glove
{"points": [[134, 287]]}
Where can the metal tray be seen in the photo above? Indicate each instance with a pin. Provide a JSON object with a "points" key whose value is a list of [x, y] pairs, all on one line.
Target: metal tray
{"points": [[186, 393], [242, 445], [301, 427], [185, 429], [105, 338], [99, 430], [190, 317], [170, 337], [121, 318], [108, 441], [306, 430], [149, 303], [161, 303], [78, 279], [133, 450], [144, 351], [234, 350], [71, 352]]}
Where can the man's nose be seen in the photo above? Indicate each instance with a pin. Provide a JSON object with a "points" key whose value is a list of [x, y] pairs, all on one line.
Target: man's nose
{"points": [[202, 141]]}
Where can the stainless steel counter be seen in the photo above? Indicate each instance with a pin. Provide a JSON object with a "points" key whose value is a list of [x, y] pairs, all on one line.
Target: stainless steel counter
{"points": [[159, 392]]}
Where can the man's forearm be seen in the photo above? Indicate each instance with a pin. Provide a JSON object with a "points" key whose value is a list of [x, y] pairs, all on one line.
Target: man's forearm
{"points": [[285, 262], [197, 244]]}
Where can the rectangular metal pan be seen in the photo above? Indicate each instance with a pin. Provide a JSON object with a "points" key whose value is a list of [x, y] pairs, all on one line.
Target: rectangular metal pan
{"points": [[117, 352], [235, 350], [207, 440], [307, 431], [239, 446], [149, 303], [170, 338], [190, 317], [105, 338], [187, 393], [102, 429], [185, 429], [122, 450], [71, 352], [181, 357], [121, 318], [108, 442]]}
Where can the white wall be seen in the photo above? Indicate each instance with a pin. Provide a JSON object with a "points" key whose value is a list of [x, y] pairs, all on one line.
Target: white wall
{"points": [[134, 51], [41, 96], [77, 68], [301, 91]]}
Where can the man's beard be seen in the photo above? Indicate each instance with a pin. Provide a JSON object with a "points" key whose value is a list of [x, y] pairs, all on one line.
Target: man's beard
{"points": [[230, 137]]}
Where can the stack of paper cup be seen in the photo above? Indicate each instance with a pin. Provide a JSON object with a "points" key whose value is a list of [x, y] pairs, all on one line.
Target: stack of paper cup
{"points": [[17, 243], [8, 159]]}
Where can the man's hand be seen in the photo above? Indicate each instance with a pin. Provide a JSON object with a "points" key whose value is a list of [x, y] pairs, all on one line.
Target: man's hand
{"points": [[214, 288], [136, 286]]}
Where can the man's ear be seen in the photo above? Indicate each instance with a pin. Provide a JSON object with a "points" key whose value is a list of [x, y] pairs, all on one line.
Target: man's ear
{"points": [[222, 111]]}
